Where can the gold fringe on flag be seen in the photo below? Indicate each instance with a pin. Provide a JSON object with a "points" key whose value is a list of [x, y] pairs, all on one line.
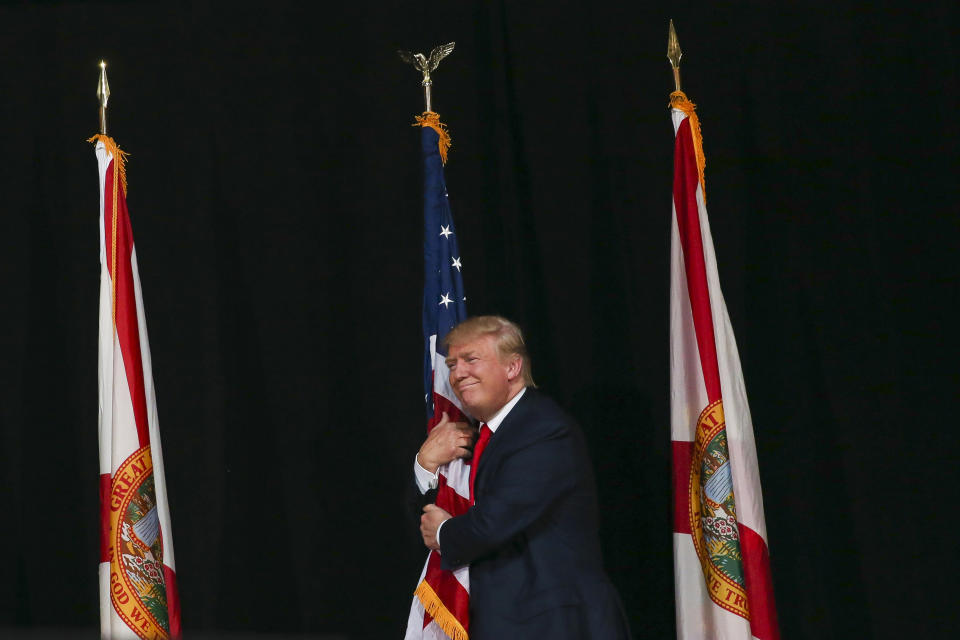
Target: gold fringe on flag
{"points": [[119, 155], [432, 120], [678, 100], [434, 606]]}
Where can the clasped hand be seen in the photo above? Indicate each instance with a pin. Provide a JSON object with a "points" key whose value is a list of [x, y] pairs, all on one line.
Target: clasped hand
{"points": [[446, 442], [430, 521]]}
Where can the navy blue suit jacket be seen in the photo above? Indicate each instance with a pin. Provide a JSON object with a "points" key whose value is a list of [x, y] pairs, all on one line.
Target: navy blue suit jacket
{"points": [[531, 538]]}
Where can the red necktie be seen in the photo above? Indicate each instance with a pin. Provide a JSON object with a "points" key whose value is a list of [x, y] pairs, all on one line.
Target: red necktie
{"points": [[485, 434]]}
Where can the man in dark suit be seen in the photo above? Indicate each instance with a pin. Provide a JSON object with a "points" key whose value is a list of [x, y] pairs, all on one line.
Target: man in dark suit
{"points": [[531, 537]]}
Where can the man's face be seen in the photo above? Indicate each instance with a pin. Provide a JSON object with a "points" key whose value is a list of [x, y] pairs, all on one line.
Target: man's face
{"points": [[480, 379]]}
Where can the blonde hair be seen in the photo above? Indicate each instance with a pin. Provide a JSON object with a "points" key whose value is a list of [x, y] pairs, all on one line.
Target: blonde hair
{"points": [[508, 336]]}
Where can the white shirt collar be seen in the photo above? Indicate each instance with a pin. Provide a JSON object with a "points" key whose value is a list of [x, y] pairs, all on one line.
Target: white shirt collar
{"points": [[495, 421]]}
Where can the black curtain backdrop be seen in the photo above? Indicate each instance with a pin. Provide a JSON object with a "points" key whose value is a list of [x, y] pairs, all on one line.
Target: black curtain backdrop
{"points": [[275, 193]]}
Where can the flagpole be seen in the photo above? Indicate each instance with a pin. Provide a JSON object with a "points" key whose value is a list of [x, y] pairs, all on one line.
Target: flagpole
{"points": [[673, 55], [103, 94], [440, 606]]}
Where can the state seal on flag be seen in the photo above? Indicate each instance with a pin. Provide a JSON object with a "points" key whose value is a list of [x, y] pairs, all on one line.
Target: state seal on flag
{"points": [[713, 514], [137, 586]]}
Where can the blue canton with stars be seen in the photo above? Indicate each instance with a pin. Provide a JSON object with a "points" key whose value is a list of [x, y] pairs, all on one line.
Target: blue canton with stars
{"points": [[444, 303]]}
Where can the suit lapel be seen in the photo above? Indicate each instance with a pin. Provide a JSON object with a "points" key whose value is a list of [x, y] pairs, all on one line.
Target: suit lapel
{"points": [[505, 433]]}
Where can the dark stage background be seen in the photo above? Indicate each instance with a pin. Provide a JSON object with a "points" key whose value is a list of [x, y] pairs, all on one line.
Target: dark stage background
{"points": [[275, 197]]}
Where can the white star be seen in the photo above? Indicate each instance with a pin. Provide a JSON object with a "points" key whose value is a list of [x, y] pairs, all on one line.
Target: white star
{"points": [[445, 300], [445, 231], [457, 264]]}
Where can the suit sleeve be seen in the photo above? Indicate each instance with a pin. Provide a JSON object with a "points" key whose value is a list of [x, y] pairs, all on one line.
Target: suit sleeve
{"points": [[415, 503], [527, 484]]}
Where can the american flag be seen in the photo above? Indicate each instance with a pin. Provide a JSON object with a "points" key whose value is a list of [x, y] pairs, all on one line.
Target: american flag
{"points": [[444, 303], [440, 606]]}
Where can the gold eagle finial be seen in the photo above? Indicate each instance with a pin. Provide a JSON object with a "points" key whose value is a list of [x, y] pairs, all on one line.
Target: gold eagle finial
{"points": [[426, 64]]}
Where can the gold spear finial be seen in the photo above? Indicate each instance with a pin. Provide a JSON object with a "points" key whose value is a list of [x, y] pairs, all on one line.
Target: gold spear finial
{"points": [[673, 55], [103, 95]]}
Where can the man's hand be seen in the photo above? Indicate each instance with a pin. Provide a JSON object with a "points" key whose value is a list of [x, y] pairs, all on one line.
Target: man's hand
{"points": [[447, 441], [429, 521]]}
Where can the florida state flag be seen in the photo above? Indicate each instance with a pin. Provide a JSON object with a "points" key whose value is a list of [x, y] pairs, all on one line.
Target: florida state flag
{"points": [[721, 562], [138, 588]]}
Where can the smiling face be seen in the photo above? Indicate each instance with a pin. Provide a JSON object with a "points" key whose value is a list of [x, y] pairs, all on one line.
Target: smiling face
{"points": [[483, 381]]}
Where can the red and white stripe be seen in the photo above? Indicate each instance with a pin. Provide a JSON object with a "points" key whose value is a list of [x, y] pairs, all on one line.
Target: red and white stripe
{"points": [[453, 490], [128, 409], [705, 367]]}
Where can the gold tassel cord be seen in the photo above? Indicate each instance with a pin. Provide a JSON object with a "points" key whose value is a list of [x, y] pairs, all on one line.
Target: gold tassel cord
{"points": [[679, 100], [441, 615], [119, 178], [119, 156], [432, 120], [115, 190]]}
